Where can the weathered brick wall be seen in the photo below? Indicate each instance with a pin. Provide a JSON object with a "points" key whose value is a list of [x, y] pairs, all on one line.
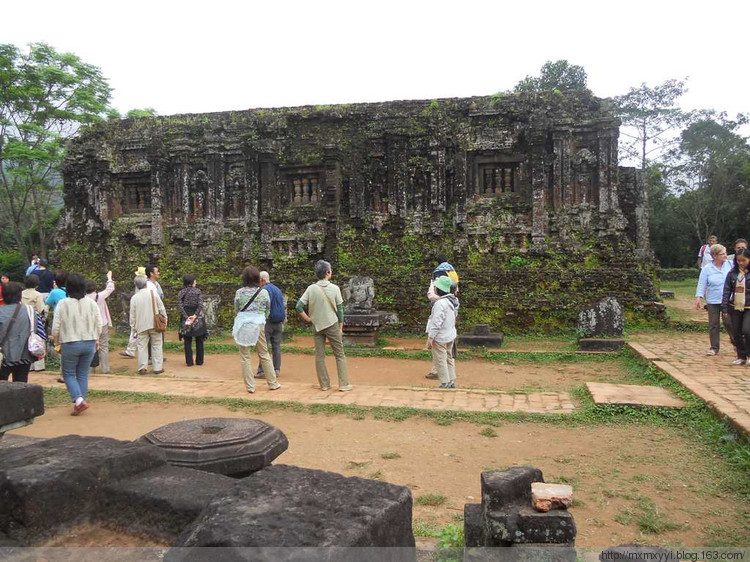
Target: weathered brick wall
{"points": [[523, 193]]}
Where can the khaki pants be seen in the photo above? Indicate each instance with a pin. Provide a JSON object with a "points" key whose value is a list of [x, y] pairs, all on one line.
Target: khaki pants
{"points": [[265, 362], [152, 339], [333, 334], [104, 350], [442, 358]]}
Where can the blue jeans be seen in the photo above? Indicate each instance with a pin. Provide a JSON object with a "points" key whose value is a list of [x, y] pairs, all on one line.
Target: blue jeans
{"points": [[76, 364]]}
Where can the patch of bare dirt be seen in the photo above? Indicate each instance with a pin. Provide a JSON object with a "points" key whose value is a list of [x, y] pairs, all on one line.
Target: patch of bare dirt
{"points": [[612, 468]]}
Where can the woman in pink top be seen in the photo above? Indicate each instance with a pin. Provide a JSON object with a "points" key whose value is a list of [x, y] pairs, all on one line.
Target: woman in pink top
{"points": [[101, 300]]}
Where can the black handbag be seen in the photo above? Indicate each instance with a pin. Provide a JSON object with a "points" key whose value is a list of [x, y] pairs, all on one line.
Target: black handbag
{"points": [[95, 360]]}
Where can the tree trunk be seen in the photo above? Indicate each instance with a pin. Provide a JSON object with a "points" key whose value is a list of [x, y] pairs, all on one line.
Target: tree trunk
{"points": [[644, 140]]}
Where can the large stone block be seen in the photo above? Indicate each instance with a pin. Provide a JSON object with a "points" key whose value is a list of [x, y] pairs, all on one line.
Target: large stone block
{"points": [[59, 481], [513, 486], [482, 335], [19, 402], [525, 525], [604, 319], [232, 446], [286, 506], [161, 502], [473, 525]]}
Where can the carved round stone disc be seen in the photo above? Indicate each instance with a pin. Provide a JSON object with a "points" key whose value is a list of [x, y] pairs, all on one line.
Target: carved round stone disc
{"points": [[232, 446]]}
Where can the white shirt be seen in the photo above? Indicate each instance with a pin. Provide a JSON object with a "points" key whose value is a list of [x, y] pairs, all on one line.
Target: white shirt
{"points": [[155, 287]]}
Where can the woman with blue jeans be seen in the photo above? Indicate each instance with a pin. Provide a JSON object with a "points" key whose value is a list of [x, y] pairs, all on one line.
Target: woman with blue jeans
{"points": [[76, 326]]}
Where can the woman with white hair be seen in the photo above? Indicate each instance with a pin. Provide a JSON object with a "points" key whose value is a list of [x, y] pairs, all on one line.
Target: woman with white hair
{"points": [[711, 289]]}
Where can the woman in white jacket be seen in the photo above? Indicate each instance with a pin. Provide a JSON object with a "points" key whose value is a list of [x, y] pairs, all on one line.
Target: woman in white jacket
{"points": [[441, 332]]}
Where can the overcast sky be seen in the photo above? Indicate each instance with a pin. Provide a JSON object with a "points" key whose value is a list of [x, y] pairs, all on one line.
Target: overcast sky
{"points": [[187, 56]]}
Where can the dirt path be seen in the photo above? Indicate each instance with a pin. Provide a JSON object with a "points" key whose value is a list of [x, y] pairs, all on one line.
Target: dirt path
{"points": [[611, 468], [374, 371]]}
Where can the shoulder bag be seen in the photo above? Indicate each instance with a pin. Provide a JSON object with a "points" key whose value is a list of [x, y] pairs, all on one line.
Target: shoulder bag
{"points": [[35, 344], [160, 321]]}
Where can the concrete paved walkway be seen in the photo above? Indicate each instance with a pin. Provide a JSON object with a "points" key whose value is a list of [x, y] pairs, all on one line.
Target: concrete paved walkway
{"points": [[370, 396], [725, 388]]}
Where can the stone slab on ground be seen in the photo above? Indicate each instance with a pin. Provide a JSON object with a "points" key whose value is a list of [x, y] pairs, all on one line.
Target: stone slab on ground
{"points": [[20, 402], [421, 398], [161, 502], [633, 395], [287, 506], [481, 335], [600, 344], [38, 481]]}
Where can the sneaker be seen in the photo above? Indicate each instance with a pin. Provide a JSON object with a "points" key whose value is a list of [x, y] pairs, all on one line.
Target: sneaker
{"points": [[60, 379], [260, 375], [275, 386], [324, 388], [251, 390], [739, 362], [712, 352], [127, 355], [446, 385], [431, 375], [158, 372], [346, 388], [77, 410], [141, 371]]}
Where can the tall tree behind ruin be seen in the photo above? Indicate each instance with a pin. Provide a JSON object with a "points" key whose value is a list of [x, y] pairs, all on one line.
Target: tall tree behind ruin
{"points": [[710, 170], [651, 120], [45, 97], [557, 75]]}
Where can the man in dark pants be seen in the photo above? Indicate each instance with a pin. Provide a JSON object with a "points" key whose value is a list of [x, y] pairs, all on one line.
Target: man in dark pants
{"points": [[274, 322]]}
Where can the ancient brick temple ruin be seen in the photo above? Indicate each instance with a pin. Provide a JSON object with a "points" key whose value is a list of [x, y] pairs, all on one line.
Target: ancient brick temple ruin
{"points": [[522, 191]]}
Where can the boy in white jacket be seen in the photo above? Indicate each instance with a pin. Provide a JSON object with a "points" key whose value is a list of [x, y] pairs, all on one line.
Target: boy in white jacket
{"points": [[441, 332]]}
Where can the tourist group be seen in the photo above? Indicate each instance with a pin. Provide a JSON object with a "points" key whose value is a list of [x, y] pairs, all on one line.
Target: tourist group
{"points": [[75, 314], [722, 285]]}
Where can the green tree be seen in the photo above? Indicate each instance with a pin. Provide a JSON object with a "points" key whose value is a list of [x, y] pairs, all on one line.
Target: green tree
{"points": [[672, 236], [710, 172], [45, 97], [651, 120], [558, 75], [145, 112]]}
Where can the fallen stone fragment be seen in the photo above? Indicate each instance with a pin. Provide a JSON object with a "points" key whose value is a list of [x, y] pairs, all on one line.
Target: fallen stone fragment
{"points": [[546, 496]]}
